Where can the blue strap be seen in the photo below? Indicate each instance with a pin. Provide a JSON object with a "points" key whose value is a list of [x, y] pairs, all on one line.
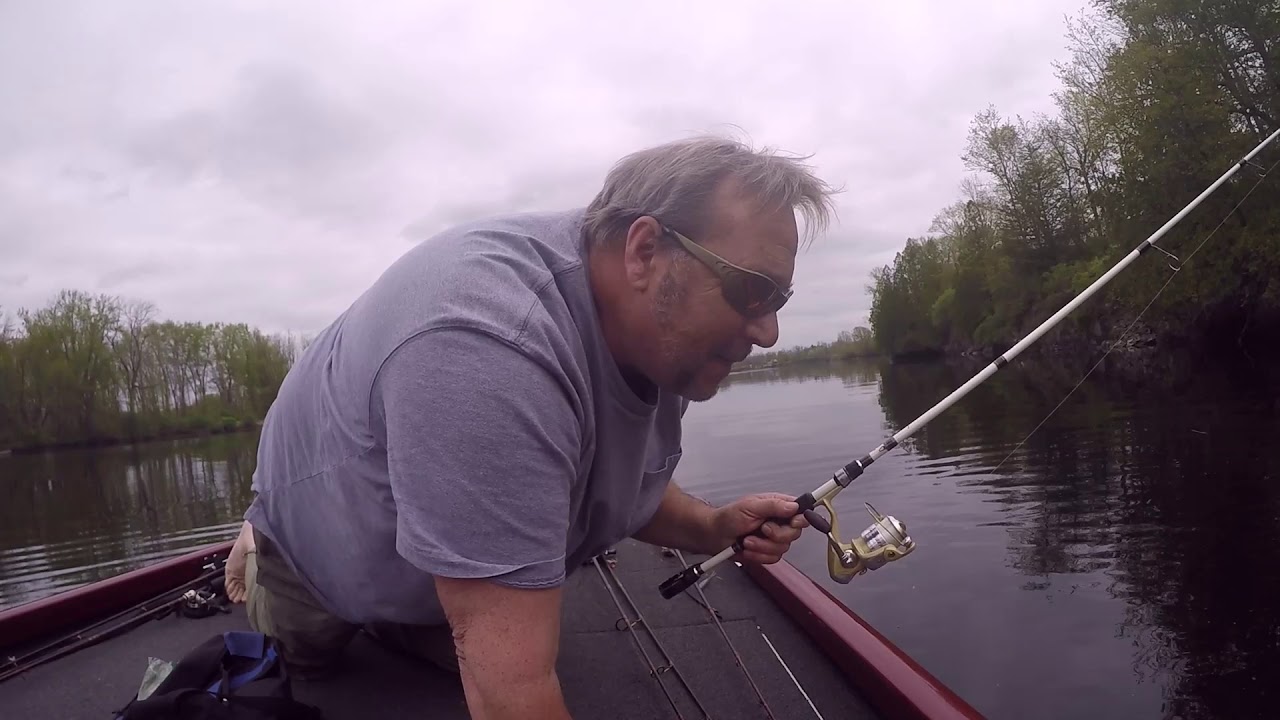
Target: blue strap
{"points": [[251, 645], [245, 644]]}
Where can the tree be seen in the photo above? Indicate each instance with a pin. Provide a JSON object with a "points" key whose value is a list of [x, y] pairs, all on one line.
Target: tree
{"points": [[98, 368], [1158, 97]]}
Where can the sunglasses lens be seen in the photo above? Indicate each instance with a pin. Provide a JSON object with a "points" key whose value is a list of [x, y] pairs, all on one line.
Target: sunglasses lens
{"points": [[755, 294]]}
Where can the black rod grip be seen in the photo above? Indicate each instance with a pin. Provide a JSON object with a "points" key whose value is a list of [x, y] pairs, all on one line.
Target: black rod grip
{"points": [[680, 582]]}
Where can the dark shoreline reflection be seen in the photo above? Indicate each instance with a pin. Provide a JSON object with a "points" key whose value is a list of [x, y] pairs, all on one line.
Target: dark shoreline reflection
{"points": [[75, 516], [1160, 497]]}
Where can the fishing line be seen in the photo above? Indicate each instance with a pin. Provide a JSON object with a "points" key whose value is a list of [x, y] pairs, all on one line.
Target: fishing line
{"points": [[1174, 274], [793, 675]]}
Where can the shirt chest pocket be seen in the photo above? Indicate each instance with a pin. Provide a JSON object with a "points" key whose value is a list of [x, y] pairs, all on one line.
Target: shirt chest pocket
{"points": [[653, 483], [661, 471]]}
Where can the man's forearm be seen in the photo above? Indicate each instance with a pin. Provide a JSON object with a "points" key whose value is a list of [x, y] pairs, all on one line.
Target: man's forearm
{"points": [[681, 521]]}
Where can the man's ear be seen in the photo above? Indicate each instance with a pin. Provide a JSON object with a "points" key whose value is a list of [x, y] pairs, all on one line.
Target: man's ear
{"points": [[641, 257]]}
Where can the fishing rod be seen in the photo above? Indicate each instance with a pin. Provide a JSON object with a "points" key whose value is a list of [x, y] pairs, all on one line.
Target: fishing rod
{"points": [[886, 539]]}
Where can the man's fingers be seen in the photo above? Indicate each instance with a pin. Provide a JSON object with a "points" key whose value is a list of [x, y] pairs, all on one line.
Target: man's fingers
{"points": [[762, 557], [770, 505], [782, 533], [236, 591], [774, 538], [760, 551], [765, 546], [779, 496], [771, 518]]}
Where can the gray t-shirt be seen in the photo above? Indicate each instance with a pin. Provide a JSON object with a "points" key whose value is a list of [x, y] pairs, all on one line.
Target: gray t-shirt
{"points": [[463, 417]]}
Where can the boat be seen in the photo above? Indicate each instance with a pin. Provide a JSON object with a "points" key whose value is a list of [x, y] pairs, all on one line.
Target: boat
{"points": [[748, 641]]}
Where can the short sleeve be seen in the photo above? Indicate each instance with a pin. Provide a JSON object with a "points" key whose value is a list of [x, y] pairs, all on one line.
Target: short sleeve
{"points": [[483, 447]]}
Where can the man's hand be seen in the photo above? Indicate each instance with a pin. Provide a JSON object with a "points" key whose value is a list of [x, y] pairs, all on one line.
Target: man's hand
{"points": [[507, 640], [687, 523], [234, 572], [745, 515]]}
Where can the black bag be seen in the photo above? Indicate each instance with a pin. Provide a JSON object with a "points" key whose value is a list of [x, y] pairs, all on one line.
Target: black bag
{"points": [[232, 676]]}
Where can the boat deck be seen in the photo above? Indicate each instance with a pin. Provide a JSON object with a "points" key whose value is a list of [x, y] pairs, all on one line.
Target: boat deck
{"points": [[603, 667]]}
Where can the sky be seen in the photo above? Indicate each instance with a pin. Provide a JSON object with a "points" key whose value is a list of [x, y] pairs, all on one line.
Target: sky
{"points": [[259, 162]]}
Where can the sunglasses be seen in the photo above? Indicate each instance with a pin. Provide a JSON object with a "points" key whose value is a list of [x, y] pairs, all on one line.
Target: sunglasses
{"points": [[747, 291]]}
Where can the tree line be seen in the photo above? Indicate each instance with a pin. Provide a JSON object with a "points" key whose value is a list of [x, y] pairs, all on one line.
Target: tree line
{"points": [[89, 369], [858, 342], [1158, 99]]}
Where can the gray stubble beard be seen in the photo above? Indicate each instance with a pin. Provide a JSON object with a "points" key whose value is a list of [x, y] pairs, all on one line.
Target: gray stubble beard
{"points": [[671, 295]]}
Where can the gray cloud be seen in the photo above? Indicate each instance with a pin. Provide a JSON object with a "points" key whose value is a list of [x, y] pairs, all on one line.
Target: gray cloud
{"points": [[232, 162], [119, 276], [15, 280]]}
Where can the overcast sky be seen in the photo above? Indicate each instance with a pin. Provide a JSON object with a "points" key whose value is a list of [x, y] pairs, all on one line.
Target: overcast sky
{"points": [[264, 162]]}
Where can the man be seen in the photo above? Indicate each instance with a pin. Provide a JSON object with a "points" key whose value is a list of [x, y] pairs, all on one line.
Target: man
{"points": [[504, 403]]}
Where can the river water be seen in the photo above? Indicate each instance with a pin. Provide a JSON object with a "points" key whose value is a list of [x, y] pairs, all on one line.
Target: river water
{"points": [[1121, 563]]}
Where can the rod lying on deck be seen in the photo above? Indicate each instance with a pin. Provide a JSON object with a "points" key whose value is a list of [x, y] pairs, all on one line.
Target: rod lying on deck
{"points": [[847, 474]]}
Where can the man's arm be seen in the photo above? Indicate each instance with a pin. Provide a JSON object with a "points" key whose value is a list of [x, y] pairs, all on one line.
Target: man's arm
{"points": [[482, 450], [683, 522], [507, 640]]}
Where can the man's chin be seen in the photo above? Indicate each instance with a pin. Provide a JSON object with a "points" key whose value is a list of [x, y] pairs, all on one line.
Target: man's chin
{"points": [[700, 392], [706, 384]]}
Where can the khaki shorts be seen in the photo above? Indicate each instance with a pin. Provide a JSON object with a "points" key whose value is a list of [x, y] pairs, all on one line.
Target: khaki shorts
{"points": [[312, 640]]}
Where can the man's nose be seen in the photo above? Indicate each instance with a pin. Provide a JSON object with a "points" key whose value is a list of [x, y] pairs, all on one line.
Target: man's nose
{"points": [[763, 331]]}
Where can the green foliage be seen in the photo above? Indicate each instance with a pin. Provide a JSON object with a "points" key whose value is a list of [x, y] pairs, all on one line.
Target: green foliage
{"points": [[89, 369], [855, 343], [1159, 98]]}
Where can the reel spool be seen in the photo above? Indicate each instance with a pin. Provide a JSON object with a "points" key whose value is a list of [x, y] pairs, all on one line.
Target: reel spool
{"points": [[884, 541]]}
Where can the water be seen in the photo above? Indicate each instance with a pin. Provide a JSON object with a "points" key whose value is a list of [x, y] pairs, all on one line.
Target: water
{"points": [[1119, 565], [72, 517]]}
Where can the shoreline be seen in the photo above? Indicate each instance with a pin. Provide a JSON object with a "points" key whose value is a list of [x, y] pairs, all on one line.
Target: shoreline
{"points": [[99, 443], [1132, 360], [808, 359]]}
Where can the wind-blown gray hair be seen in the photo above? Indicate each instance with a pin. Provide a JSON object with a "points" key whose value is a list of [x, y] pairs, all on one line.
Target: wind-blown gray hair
{"points": [[675, 181]]}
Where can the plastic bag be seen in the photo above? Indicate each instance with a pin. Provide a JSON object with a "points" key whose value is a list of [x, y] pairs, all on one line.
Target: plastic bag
{"points": [[157, 671]]}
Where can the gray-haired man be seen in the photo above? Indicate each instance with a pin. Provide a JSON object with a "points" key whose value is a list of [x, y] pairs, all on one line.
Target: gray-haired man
{"points": [[505, 402]]}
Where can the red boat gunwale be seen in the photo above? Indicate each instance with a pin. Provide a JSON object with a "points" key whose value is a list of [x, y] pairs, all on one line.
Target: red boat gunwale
{"points": [[893, 683], [87, 603]]}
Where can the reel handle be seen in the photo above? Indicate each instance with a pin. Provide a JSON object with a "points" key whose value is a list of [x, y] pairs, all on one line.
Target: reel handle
{"points": [[817, 522]]}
